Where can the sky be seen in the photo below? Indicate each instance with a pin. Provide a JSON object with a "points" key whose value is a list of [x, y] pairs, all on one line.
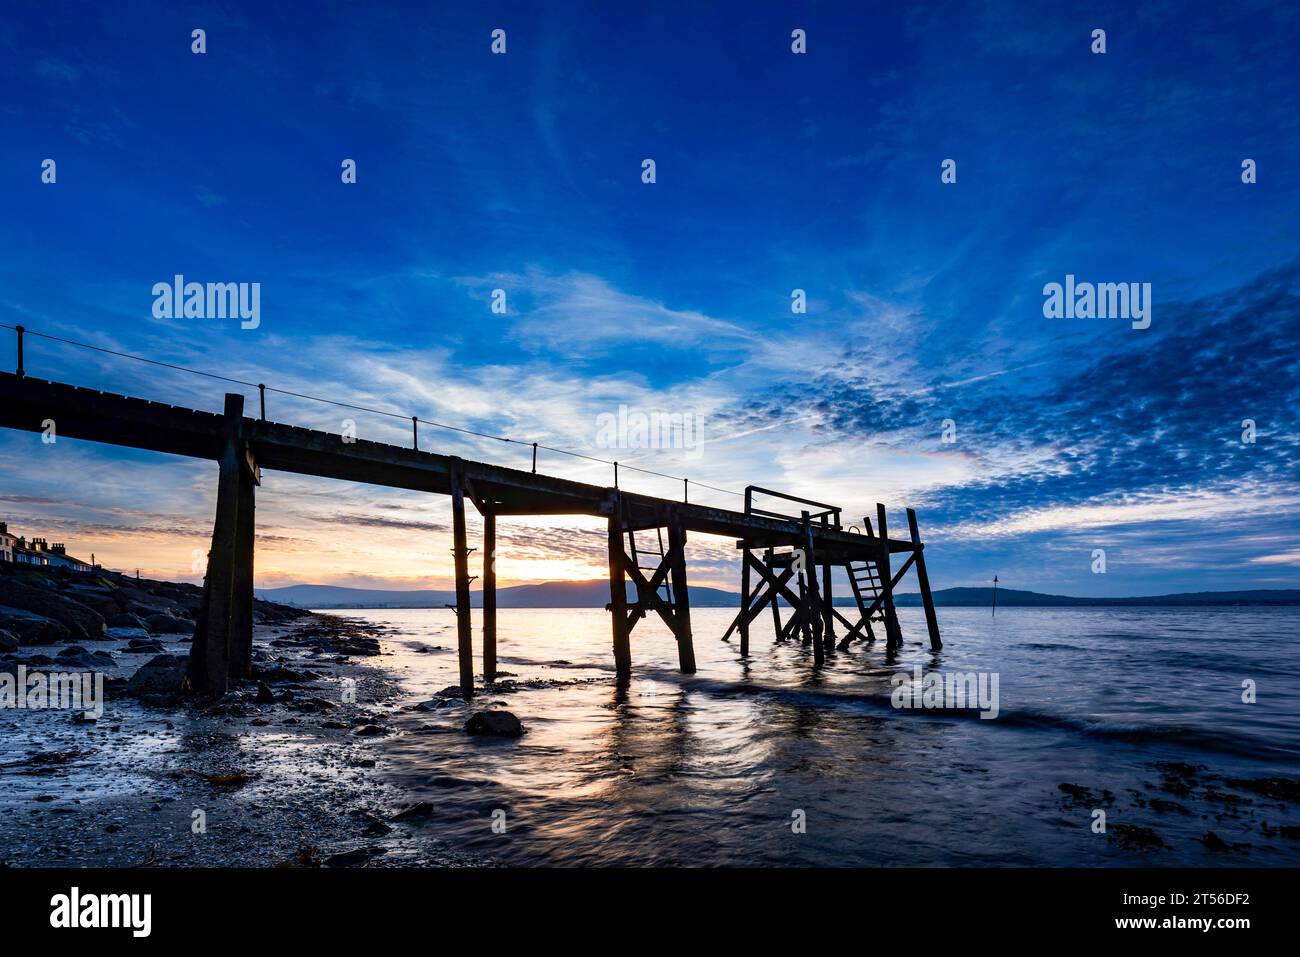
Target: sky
{"points": [[923, 372]]}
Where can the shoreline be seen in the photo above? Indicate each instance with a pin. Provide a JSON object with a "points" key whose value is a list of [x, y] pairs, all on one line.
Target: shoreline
{"points": [[241, 781]]}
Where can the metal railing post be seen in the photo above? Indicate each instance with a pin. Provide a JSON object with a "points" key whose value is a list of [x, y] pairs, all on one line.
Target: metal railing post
{"points": [[21, 330]]}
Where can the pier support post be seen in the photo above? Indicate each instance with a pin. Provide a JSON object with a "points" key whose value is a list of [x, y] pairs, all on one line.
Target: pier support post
{"points": [[923, 580], [744, 600], [893, 634], [681, 598], [460, 551], [222, 649], [776, 600], [489, 595], [828, 609], [618, 594]]}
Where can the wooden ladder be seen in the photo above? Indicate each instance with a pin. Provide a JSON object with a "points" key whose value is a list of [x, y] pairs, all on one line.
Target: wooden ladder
{"points": [[665, 588], [864, 578]]}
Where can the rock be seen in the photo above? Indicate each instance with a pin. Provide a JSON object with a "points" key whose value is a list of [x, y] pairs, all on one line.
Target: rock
{"points": [[1134, 837], [126, 620], [8, 641], [1214, 842], [280, 674], [371, 731], [144, 646], [161, 675], [497, 724], [420, 809], [264, 694], [169, 625], [79, 657], [358, 858], [82, 622], [33, 629]]}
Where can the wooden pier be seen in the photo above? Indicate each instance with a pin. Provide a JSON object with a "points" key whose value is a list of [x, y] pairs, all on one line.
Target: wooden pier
{"points": [[782, 552]]}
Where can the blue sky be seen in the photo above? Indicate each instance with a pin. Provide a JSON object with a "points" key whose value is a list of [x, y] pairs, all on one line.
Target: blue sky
{"points": [[775, 171]]}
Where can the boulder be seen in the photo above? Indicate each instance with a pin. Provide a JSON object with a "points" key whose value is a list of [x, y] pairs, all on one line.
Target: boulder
{"points": [[497, 724], [161, 675], [79, 657], [126, 620], [84, 624], [144, 646], [32, 629], [8, 641], [169, 625]]}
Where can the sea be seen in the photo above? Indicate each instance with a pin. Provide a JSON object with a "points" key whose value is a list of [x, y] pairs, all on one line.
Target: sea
{"points": [[1134, 736]]}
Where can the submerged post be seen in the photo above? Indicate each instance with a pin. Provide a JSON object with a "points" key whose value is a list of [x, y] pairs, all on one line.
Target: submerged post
{"points": [[618, 593], [828, 606], [489, 596], [681, 597], [221, 652], [923, 580], [776, 600], [744, 599], [460, 551], [893, 634]]}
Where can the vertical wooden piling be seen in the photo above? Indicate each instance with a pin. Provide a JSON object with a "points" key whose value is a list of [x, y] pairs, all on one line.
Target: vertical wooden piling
{"points": [[489, 595], [828, 605], [618, 594], [241, 598], [460, 552], [744, 600], [681, 598], [923, 580], [221, 651], [776, 600], [894, 634]]}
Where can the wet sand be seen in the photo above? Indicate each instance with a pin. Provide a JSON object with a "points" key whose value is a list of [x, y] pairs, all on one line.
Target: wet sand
{"points": [[230, 783]]}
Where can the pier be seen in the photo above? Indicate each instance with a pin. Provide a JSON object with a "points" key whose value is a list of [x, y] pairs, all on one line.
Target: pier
{"points": [[789, 546]]}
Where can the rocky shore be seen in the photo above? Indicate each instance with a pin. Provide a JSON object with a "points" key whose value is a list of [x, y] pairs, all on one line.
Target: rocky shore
{"points": [[282, 771]]}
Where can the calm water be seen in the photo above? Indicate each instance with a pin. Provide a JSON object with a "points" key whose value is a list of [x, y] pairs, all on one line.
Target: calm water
{"points": [[714, 768]]}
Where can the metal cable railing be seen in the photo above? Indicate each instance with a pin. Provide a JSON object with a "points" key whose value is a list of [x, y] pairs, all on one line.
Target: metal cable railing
{"points": [[415, 421]]}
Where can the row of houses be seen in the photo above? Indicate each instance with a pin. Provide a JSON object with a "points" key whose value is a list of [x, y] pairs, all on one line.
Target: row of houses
{"points": [[37, 551]]}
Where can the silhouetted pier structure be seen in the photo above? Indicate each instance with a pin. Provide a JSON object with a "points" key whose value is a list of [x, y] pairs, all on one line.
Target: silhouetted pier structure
{"points": [[783, 551]]}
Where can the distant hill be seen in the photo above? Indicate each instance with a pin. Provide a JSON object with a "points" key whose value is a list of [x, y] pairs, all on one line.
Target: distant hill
{"points": [[1010, 597], [590, 594], [594, 594]]}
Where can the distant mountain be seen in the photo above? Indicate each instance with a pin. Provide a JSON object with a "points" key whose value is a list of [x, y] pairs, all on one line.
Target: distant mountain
{"points": [[589, 594], [594, 594], [1011, 598]]}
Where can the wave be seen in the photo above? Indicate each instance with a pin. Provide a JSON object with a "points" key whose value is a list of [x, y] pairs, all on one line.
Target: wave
{"points": [[1185, 736]]}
